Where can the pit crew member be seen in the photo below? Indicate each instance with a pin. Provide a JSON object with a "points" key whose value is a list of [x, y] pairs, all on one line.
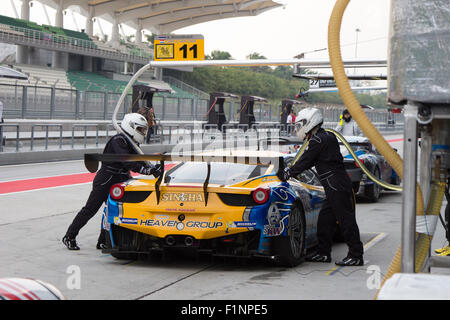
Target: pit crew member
{"points": [[135, 127], [323, 153]]}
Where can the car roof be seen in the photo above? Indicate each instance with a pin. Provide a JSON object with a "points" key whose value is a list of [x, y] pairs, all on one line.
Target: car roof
{"points": [[356, 139]]}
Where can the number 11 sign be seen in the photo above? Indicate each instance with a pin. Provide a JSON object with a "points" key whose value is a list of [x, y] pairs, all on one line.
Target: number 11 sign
{"points": [[179, 47]]}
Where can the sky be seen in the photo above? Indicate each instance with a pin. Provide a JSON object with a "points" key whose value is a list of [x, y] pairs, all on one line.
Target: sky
{"points": [[300, 26]]}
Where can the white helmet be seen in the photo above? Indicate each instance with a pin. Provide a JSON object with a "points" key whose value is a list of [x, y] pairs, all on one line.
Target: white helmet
{"points": [[306, 120], [136, 126]]}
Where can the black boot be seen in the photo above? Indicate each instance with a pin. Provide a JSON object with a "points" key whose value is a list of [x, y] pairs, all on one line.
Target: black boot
{"points": [[350, 261], [71, 244], [319, 258], [101, 245], [101, 241]]}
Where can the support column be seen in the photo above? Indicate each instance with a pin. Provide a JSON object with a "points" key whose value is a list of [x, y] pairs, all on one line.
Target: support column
{"points": [[90, 22], [88, 64], [158, 72], [59, 21], [409, 188], [138, 40], [25, 11], [58, 57], [115, 40], [426, 145], [60, 60], [138, 35], [22, 52]]}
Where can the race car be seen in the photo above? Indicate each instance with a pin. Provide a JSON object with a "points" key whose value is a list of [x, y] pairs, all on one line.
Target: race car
{"points": [[374, 162], [225, 205], [28, 289]]}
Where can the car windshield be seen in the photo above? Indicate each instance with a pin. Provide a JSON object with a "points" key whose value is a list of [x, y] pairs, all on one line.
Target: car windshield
{"points": [[221, 173], [358, 146]]}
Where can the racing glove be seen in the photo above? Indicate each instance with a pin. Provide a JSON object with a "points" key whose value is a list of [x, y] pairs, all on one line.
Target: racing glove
{"points": [[151, 170], [284, 174]]}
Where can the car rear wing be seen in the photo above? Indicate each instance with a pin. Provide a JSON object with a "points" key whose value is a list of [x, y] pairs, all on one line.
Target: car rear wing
{"points": [[91, 161]]}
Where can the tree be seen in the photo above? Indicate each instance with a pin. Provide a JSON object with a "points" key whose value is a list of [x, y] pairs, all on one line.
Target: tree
{"points": [[219, 55], [257, 56], [284, 72], [149, 37]]}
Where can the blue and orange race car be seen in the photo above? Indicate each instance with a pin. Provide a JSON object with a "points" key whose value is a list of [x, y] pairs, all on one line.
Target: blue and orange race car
{"points": [[374, 162], [225, 205]]}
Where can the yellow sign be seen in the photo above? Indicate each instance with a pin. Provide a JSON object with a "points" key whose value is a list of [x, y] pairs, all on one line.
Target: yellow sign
{"points": [[175, 47]]}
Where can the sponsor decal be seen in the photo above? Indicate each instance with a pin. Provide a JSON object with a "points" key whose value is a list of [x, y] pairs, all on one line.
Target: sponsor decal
{"points": [[273, 215], [272, 231], [129, 220], [275, 230], [181, 225], [118, 221], [182, 196], [179, 210], [269, 179], [158, 223], [204, 224], [241, 224]]}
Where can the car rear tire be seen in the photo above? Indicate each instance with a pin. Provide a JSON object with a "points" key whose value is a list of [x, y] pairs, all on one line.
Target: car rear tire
{"points": [[120, 255], [290, 249], [373, 191]]}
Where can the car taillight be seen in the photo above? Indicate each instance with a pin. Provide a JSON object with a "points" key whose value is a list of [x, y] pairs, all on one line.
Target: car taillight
{"points": [[356, 163], [117, 191], [261, 195]]}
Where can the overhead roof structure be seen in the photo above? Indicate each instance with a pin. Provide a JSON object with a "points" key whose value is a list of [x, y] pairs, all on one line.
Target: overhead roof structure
{"points": [[163, 16]]}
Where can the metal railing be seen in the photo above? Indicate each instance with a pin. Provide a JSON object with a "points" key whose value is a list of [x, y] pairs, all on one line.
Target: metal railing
{"points": [[51, 41], [40, 136], [185, 87], [39, 102]]}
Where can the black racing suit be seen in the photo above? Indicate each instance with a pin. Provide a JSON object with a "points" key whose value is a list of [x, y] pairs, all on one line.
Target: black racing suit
{"points": [[109, 174], [323, 153]]}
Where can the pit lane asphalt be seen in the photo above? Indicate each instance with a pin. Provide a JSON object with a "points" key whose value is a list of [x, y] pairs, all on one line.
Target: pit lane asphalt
{"points": [[32, 224]]}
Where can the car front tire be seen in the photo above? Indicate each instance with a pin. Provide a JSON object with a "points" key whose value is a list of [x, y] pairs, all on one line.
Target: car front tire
{"points": [[373, 191], [290, 249], [120, 255]]}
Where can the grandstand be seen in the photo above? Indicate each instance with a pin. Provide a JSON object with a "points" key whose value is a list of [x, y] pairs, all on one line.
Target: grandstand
{"points": [[89, 81], [47, 33], [45, 76], [64, 66]]}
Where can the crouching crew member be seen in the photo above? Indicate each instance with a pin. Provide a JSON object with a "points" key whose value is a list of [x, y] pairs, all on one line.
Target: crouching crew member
{"points": [[323, 153], [135, 127]]}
